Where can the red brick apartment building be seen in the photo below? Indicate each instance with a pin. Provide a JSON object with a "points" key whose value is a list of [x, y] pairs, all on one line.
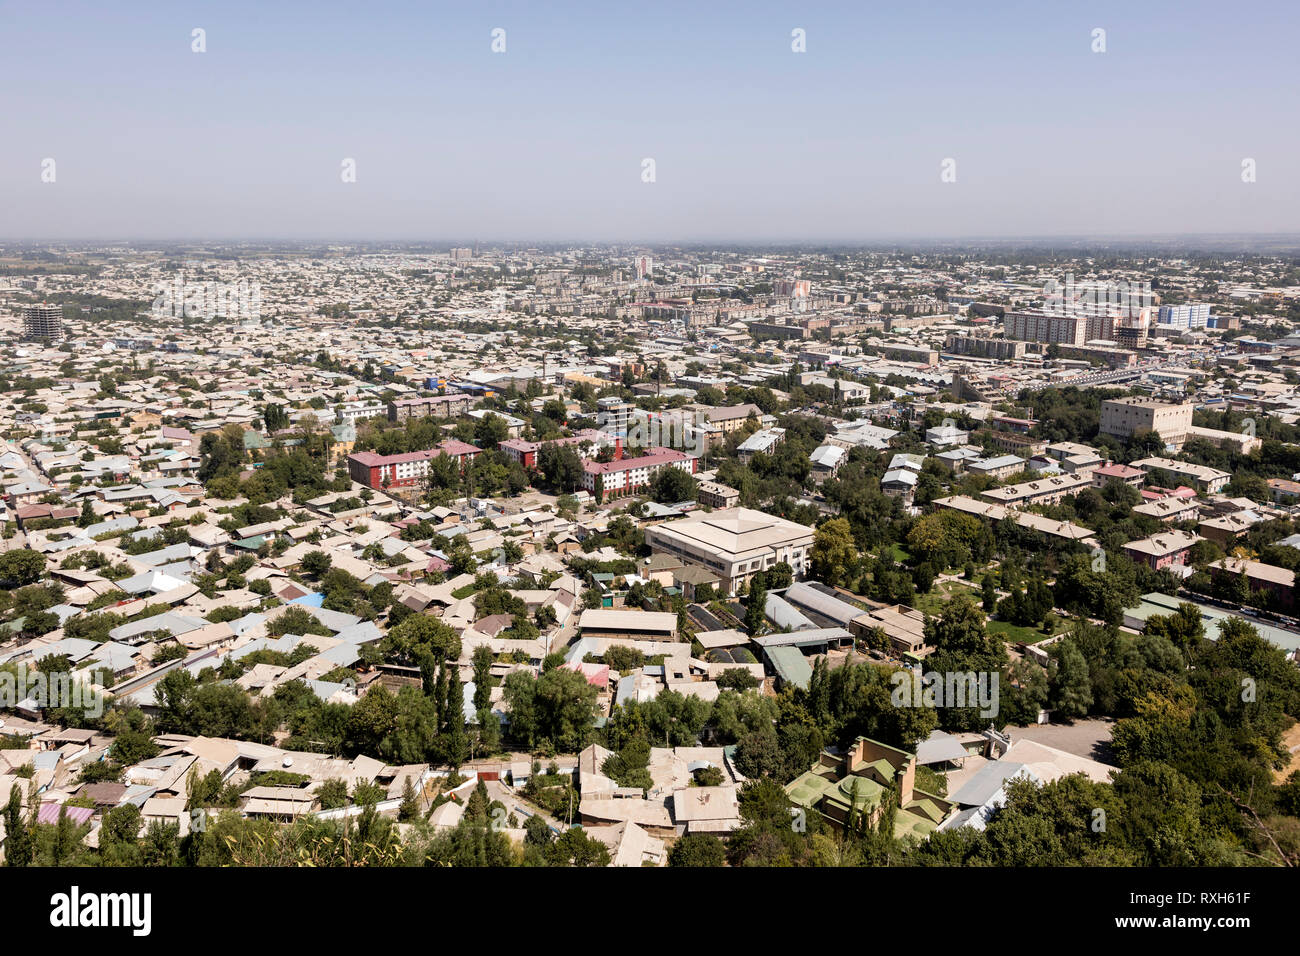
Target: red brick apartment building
{"points": [[525, 452], [628, 476], [398, 471]]}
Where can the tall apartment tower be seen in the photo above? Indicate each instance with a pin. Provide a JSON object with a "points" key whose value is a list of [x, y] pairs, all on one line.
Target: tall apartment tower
{"points": [[43, 321], [644, 266], [1064, 328], [1194, 315], [616, 413]]}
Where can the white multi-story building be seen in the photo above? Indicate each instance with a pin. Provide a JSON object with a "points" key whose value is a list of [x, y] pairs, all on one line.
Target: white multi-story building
{"points": [[1193, 315], [1126, 417], [734, 543], [353, 412]]}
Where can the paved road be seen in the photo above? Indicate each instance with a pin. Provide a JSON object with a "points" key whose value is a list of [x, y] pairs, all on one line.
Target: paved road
{"points": [[1084, 738], [1100, 378]]}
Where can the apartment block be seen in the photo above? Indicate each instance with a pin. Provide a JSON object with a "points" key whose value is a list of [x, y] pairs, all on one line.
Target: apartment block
{"points": [[587, 443], [1205, 479], [398, 471], [713, 494], [1043, 491], [437, 406], [1163, 549], [731, 417], [1057, 327], [628, 476], [1126, 417], [980, 347]]}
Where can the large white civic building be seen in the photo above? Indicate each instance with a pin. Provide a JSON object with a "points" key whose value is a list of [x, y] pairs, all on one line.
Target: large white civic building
{"points": [[734, 543]]}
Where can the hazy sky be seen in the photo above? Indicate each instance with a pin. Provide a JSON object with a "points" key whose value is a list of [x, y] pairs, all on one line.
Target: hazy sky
{"points": [[546, 141]]}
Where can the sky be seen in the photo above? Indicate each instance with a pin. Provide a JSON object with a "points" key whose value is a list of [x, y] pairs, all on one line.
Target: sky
{"points": [[547, 140]]}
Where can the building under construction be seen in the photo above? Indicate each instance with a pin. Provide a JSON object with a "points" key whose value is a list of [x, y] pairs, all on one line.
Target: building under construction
{"points": [[43, 321]]}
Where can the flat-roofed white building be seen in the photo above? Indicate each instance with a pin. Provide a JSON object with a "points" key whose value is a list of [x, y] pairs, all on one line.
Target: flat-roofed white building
{"points": [[734, 543], [1126, 417], [1002, 466], [765, 440]]}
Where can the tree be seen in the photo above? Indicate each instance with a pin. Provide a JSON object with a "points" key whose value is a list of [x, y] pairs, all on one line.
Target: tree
{"points": [[333, 794], [316, 563], [442, 479], [561, 465], [766, 837], [833, 551], [1069, 690], [18, 842], [780, 575], [537, 832], [1184, 628], [482, 660], [989, 593], [1162, 820], [490, 431], [755, 605], [672, 485], [945, 538], [275, 417], [575, 848], [119, 837], [409, 809], [419, 636], [758, 754], [219, 455], [698, 849], [737, 678], [20, 567], [559, 707], [962, 645]]}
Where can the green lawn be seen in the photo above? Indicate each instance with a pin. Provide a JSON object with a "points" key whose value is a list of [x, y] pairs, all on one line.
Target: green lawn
{"points": [[1014, 633], [939, 596]]}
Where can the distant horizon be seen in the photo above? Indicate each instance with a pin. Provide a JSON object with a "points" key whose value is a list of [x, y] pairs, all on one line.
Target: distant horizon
{"points": [[493, 241]]}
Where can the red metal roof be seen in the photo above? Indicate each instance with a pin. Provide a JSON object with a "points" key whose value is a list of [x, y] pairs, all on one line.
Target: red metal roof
{"points": [[659, 456]]}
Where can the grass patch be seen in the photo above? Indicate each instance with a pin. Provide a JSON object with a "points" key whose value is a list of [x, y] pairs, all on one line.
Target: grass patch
{"points": [[1014, 633], [939, 596]]}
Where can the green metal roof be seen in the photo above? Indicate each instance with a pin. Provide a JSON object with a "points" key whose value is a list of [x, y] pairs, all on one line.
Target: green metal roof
{"points": [[1157, 604], [790, 665]]}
